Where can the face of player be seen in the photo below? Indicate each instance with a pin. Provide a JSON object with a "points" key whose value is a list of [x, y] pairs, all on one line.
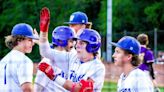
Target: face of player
{"points": [[70, 45], [81, 49], [120, 58], [77, 27], [26, 45]]}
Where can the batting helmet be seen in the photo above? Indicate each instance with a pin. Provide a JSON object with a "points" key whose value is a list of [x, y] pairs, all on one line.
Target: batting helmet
{"points": [[128, 43], [24, 30], [93, 38], [61, 35], [78, 18]]}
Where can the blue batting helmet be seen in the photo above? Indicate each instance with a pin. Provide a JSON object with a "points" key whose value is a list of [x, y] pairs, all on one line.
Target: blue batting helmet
{"points": [[93, 38], [24, 30], [78, 18], [61, 35], [128, 43]]}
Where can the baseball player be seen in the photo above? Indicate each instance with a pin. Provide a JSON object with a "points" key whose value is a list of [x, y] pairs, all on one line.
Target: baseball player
{"points": [[16, 69], [77, 21], [147, 58], [126, 55], [75, 63], [82, 66], [62, 41]]}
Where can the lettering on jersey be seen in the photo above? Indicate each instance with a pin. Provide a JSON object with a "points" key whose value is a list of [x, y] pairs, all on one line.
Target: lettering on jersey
{"points": [[5, 74], [62, 74], [125, 90], [74, 76]]}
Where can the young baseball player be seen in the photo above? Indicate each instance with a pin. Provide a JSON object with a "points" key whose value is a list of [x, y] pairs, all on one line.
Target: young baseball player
{"points": [[16, 69], [62, 41], [126, 55], [77, 21], [82, 66], [147, 58]]}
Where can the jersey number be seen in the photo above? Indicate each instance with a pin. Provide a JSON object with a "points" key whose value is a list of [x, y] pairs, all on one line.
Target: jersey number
{"points": [[5, 74]]}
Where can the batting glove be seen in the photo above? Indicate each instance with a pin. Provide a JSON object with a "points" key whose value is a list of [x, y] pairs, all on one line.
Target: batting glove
{"points": [[44, 19], [47, 69]]}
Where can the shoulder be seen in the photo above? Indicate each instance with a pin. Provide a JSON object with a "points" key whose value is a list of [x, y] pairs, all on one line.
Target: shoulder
{"points": [[98, 64]]}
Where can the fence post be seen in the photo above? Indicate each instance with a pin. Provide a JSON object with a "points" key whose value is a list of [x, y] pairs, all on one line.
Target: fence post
{"points": [[125, 32], [155, 44]]}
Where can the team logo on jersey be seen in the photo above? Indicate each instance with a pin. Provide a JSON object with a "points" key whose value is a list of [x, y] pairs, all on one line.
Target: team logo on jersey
{"points": [[125, 90], [74, 77]]}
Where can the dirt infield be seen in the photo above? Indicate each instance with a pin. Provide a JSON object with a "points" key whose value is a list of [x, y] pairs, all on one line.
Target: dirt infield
{"points": [[113, 72]]}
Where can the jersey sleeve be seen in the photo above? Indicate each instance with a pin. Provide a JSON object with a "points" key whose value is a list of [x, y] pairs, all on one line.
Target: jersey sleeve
{"points": [[46, 51], [25, 71], [149, 57]]}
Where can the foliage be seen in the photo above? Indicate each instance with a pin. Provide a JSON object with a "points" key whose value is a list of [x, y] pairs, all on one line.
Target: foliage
{"points": [[130, 15]]}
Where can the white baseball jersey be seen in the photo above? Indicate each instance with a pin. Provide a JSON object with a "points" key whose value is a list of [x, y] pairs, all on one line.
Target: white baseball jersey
{"points": [[136, 81], [15, 69], [94, 69], [76, 70], [58, 59]]}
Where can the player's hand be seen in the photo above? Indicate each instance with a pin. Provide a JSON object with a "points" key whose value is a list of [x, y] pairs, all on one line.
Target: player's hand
{"points": [[86, 86], [44, 19], [47, 69]]}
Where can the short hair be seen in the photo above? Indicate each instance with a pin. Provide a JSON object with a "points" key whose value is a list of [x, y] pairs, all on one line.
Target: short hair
{"points": [[143, 39]]}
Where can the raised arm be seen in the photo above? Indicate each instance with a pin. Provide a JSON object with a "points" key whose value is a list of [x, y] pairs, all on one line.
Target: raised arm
{"points": [[44, 46]]}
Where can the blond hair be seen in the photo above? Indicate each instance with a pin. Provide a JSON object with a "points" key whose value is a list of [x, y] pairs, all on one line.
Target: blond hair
{"points": [[11, 41]]}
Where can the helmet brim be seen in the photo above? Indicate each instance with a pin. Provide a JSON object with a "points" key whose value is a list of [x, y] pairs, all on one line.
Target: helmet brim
{"points": [[75, 23], [33, 37], [115, 44]]}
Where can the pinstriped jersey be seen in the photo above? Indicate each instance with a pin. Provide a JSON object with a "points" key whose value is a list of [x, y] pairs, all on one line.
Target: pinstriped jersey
{"points": [[15, 69]]}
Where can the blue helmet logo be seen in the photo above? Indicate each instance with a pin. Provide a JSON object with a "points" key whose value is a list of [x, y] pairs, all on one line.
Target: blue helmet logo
{"points": [[78, 18]]}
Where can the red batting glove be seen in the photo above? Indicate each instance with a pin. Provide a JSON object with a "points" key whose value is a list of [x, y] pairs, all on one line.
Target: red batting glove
{"points": [[47, 69], [44, 19], [86, 86]]}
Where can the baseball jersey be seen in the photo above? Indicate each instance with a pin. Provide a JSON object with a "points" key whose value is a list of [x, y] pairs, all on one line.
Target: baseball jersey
{"points": [[55, 58], [76, 69], [136, 81], [47, 84], [148, 57], [15, 69], [83, 70]]}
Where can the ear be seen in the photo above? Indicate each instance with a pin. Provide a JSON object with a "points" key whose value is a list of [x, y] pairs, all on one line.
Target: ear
{"points": [[129, 57]]}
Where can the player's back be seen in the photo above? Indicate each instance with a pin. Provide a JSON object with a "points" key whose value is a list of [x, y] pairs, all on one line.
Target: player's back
{"points": [[15, 69]]}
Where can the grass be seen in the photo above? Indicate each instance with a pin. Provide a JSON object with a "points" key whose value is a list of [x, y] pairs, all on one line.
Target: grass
{"points": [[109, 87]]}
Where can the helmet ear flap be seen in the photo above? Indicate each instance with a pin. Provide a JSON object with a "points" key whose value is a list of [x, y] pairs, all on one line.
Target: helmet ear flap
{"points": [[92, 48]]}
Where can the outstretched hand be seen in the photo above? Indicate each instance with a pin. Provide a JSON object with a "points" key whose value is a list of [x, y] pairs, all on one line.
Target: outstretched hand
{"points": [[44, 19]]}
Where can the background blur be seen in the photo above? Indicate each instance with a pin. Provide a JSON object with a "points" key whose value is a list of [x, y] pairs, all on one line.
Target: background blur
{"points": [[129, 17]]}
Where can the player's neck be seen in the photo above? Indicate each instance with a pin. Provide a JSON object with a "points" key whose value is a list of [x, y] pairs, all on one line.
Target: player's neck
{"points": [[87, 58], [128, 68], [59, 48], [19, 49]]}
